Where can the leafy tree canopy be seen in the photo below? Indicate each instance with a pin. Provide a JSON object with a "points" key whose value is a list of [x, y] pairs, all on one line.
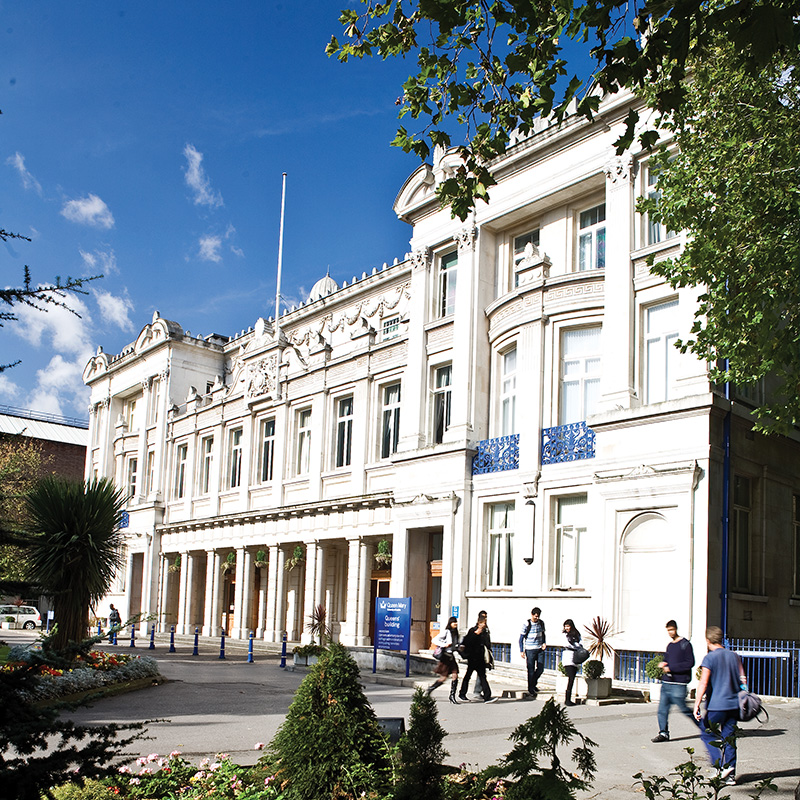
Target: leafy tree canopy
{"points": [[495, 65], [733, 184]]}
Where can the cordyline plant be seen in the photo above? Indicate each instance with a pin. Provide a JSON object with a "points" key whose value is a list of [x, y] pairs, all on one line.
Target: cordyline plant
{"points": [[598, 634], [318, 624]]}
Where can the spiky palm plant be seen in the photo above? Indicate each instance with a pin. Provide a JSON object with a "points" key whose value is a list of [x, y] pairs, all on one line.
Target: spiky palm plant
{"points": [[598, 634], [318, 624], [75, 547]]}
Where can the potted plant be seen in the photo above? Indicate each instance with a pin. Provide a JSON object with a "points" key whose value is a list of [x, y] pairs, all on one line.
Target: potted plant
{"points": [[175, 566], [8, 623], [654, 672], [229, 564], [318, 625], [261, 559], [298, 557], [383, 555], [307, 654], [597, 636]]}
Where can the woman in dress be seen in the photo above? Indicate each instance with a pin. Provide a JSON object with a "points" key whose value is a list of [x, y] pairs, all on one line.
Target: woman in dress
{"points": [[446, 643], [572, 640]]}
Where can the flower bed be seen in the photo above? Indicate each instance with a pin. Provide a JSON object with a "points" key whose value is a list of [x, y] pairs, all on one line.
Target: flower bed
{"points": [[95, 670]]}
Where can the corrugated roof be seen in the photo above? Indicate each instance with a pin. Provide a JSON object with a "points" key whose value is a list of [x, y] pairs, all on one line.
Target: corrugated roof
{"points": [[47, 431]]}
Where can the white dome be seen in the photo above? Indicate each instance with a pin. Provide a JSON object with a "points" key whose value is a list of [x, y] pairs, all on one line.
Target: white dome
{"points": [[322, 288]]}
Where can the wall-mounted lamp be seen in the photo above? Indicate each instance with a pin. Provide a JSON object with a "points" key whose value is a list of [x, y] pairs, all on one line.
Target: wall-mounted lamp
{"points": [[530, 502]]}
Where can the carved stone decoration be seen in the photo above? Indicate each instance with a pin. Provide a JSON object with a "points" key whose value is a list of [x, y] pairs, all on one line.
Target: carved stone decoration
{"points": [[465, 238], [618, 169], [534, 265], [262, 377], [420, 258]]}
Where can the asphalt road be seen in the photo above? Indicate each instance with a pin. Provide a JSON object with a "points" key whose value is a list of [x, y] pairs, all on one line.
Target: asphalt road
{"points": [[214, 706]]}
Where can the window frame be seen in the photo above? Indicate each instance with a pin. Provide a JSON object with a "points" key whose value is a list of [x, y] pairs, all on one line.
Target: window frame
{"points": [[302, 462], [507, 394], [596, 231], [584, 377], [578, 531], [179, 482], [233, 475], [206, 464], [446, 284], [266, 450], [131, 476], [390, 419], [500, 545], [343, 436], [390, 327], [667, 352], [149, 470], [441, 401], [652, 233], [155, 398], [741, 534], [796, 545]]}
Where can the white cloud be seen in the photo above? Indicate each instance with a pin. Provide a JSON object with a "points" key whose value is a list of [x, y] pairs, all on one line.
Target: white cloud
{"points": [[102, 260], [210, 247], [89, 210], [60, 388], [197, 180], [237, 251], [61, 330], [114, 309], [8, 389], [28, 181]]}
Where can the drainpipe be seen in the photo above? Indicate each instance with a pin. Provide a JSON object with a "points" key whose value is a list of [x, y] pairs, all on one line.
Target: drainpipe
{"points": [[726, 491]]}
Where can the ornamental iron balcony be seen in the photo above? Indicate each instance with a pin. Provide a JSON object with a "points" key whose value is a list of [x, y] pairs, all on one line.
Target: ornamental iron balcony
{"points": [[496, 455], [567, 443]]}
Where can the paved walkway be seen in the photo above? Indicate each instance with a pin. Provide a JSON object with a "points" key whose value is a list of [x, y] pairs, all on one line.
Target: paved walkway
{"points": [[228, 706]]}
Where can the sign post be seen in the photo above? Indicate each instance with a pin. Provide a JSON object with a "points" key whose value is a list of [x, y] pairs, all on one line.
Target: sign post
{"points": [[392, 628]]}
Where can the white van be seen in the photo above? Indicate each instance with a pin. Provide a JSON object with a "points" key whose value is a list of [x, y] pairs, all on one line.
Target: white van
{"points": [[27, 616]]}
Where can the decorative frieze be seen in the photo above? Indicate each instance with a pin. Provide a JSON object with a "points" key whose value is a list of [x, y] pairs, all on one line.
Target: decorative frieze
{"points": [[262, 377]]}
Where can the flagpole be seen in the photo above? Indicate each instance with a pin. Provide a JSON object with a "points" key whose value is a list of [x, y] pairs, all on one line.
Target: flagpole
{"points": [[280, 265]]}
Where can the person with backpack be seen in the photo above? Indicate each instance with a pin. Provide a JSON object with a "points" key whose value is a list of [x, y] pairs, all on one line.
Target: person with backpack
{"points": [[532, 644], [114, 619], [721, 679], [676, 674]]}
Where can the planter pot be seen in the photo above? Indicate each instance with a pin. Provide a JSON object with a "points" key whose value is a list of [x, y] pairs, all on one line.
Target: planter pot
{"points": [[8, 626], [598, 688], [305, 661]]}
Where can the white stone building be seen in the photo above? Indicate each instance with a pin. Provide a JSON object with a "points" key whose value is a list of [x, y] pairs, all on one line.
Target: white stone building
{"points": [[503, 408]]}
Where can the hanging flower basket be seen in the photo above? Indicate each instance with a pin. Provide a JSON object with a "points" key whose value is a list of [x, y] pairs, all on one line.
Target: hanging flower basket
{"points": [[383, 555], [229, 564], [175, 566], [261, 559], [298, 557]]}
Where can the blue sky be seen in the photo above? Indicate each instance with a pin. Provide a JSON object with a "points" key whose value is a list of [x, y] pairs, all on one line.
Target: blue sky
{"points": [[146, 140]]}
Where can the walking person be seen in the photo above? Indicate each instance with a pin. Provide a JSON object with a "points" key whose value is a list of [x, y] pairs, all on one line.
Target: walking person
{"points": [[572, 641], [114, 619], [677, 673], [532, 644], [477, 647], [721, 678], [446, 644]]}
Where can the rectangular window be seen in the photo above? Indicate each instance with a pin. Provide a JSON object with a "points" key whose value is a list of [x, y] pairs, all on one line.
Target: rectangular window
{"points": [[592, 238], [661, 332], [130, 415], [580, 374], [390, 328], [133, 465], [303, 463], [501, 544], [344, 431], [447, 284], [508, 393], [267, 450], [741, 534], [150, 470], [655, 231], [155, 401], [796, 526], [390, 424], [181, 453], [206, 464], [442, 397], [570, 530], [235, 458]]}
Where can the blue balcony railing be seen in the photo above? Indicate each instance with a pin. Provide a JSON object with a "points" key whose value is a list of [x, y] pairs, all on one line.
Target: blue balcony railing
{"points": [[496, 455], [567, 443]]}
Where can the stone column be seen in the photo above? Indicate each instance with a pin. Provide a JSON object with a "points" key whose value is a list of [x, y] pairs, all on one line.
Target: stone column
{"points": [[618, 336], [354, 592], [262, 602], [247, 594], [310, 594], [239, 595], [364, 578], [216, 603], [280, 595], [163, 600], [180, 626], [208, 607], [271, 632], [190, 619]]}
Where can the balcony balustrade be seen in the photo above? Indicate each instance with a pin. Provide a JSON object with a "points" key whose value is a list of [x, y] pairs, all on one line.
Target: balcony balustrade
{"points": [[496, 455], [567, 443]]}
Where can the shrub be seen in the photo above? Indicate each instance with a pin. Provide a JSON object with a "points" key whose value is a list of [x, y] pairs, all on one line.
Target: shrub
{"points": [[593, 669], [330, 744], [651, 668], [421, 753]]}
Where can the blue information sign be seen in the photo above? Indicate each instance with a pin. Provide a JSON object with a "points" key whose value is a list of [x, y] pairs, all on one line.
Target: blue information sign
{"points": [[392, 626]]}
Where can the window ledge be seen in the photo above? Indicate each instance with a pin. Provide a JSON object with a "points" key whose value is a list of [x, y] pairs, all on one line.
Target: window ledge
{"points": [[750, 598], [794, 601]]}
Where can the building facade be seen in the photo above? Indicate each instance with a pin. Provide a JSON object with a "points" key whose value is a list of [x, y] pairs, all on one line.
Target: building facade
{"points": [[502, 412]]}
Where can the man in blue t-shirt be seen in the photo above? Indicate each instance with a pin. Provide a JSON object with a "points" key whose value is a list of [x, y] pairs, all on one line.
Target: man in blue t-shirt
{"points": [[677, 673], [532, 644], [721, 679]]}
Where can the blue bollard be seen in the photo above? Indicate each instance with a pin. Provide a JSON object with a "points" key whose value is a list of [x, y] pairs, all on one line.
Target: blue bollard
{"points": [[133, 635], [114, 637], [153, 637], [222, 645], [196, 652], [99, 627], [250, 649], [283, 650], [171, 638]]}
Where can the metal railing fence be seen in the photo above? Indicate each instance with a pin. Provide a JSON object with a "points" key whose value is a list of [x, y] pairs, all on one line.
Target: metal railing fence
{"points": [[772, 666]]}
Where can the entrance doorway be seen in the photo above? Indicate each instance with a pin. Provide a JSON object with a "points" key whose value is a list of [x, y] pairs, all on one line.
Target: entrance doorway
{"points": [[378, 587]]}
